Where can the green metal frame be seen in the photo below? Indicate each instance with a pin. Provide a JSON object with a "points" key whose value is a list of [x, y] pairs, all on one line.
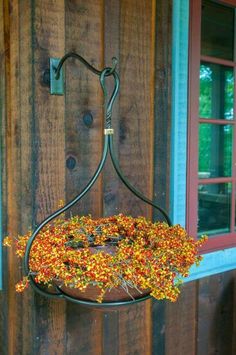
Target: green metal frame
{"points": [[107, 148]]}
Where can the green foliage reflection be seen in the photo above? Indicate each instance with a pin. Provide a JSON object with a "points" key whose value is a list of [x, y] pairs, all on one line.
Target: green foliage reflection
{"points": [[216, 100]]}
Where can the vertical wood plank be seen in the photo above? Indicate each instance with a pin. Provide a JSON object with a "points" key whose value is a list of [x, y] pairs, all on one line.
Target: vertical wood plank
{"points": [[25, 187], [136, 100], [158, 327], [84, 330], [111, 333], [181, 322], [49, 143], [224, 315], [111, 193], [111, 182], [84, 35], [162, 103], [14, 304], [162, 100], [4, 63], [215, 315], [135, 330], [137, 23]]}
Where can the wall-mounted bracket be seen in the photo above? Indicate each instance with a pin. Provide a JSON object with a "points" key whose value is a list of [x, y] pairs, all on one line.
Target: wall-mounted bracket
{"points": [[56, 85]]}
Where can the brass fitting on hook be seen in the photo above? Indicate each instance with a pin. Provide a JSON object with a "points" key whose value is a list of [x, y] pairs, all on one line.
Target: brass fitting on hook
{"points": [[108, 131]]}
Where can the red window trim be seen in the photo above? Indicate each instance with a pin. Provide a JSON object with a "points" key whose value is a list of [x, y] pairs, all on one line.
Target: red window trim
{"points": [[227, 240], [228, 2]]}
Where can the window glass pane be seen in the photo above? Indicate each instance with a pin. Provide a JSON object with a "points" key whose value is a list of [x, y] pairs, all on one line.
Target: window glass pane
{"points": [[215, 150], [217, 33], [214, 205], [216, 99]]}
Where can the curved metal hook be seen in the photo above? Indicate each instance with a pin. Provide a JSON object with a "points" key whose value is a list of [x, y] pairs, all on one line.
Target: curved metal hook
{"points": [[88, 65], [109, 104]]}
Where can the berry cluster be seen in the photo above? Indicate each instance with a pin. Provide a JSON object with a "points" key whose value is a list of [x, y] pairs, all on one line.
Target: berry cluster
{"points": [[115, 251]]}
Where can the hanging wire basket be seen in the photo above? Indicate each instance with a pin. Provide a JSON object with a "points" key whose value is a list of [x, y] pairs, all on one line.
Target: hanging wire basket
{"points": [[117, 296]]}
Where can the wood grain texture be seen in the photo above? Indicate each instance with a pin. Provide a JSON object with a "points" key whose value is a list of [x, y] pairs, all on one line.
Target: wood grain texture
{"points": [[111, 182], [25, 164], [215, 314], [136, 100], [111, 333], [4, 53], [135, 330], [161, 148], [48, 153], [158, 327], [224, 315], [84, 35], [137, 23], [181, 322], [14, 304], [162, 104], [84, 330]]}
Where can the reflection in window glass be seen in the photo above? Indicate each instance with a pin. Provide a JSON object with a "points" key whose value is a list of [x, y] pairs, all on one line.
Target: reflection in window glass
{"points": [[216, 99], [214, 208], [215, 150], [217, 30]]}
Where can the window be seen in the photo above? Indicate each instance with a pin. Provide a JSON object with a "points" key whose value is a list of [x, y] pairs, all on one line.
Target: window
{"points": [[211, 194]]}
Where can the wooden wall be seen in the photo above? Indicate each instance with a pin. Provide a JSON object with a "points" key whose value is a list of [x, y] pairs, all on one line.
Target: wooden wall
{"points": [[49, 154]]}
